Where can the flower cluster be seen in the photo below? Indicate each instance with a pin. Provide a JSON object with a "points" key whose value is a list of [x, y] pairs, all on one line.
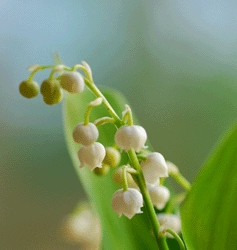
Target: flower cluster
{"points": [[144, 170], [153, 166], [52, 88]]}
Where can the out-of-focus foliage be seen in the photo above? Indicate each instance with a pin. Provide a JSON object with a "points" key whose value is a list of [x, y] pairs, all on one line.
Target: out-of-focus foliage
{"points": [[211, 203]]}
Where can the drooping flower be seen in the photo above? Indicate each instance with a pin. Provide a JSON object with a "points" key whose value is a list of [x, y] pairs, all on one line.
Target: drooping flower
{"points": [[128, 137], [92, 155], [154, 167], [127, 202], [72, 82], [159, 196], [169, 221], [85, 134]]}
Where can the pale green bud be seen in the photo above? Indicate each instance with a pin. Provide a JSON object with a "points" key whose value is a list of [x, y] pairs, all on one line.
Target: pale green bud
{"points": [[102, 171], [51, 91], [117, 177], [29, 89], [112, 157]]}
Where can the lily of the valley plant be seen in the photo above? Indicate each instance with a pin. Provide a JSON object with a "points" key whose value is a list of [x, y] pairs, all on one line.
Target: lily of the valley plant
{"points": [[141, 177]]}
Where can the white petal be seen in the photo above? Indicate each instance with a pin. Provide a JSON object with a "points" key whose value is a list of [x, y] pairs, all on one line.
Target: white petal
{"points": [[92, 156], [159, 196], [169, 221], [154, 167], [127, 202], [85, 134], [72, 82], [128, 137]]}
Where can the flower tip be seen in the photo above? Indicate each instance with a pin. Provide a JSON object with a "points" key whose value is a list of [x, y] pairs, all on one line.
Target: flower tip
{"points": [[96, 102], [33, 67], [59, 67]]}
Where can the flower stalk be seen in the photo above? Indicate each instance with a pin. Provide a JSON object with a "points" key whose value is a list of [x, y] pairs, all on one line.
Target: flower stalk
{"points": [[161, 240]]}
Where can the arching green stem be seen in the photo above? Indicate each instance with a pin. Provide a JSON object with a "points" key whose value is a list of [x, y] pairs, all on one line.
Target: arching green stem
{"points": [[176, 236]]}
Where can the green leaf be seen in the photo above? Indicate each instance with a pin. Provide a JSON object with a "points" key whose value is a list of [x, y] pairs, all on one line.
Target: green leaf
{"points": [[118, 233], [209, 213]]}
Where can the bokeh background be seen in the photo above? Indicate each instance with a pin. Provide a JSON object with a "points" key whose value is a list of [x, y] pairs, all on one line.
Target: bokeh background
{"points": [[175, 61]]}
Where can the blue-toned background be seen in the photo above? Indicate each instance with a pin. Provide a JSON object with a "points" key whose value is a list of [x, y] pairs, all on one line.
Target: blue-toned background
{"points": [[175, 61]]}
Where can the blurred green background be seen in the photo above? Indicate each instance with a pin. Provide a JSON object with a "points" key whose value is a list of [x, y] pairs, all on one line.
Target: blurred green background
{"points": [[175, 61]]}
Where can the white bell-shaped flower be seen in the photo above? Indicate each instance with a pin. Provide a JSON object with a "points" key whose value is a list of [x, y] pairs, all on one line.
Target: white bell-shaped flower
{"points": [[128, 137], [92, 156], [154, 167], [127, 202], [169, 221], [159, 196], [85, 134], [72, 82]]}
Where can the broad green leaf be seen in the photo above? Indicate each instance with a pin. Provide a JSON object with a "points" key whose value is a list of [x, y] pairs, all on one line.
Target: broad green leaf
{"points": [[118, 233], [208, 215]]}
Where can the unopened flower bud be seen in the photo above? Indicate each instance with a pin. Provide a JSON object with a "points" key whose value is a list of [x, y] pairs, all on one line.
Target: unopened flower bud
{"points": [[91, 156], [72, 82], [85, 134], [127, 202], [29, 89], [112, 157], [96, 102], [88, 68], [154, 167], [172, 168], [169, 221], [59, 67], [159, 196], [51, 91], [102, 171], [117, 177], [128, 137], [33, 67]]}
